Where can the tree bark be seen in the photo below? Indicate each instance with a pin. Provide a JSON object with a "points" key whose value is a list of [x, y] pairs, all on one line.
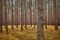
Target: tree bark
{"points": [[1, 17], [12, 13], [30, 9], [55, 14], [25, 13], [16, 12], [40, 20], [6, 25], [22, 14]]}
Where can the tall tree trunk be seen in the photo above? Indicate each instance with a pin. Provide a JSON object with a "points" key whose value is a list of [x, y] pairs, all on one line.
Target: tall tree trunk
{"points": [[1, 16], [55, 14], [22, 14], [8, 8], [30, 11], [6, 16], [16, 12], [40, 20], [34, 13], [46, 14], [20, 11], [25, 13], [12, 13]]}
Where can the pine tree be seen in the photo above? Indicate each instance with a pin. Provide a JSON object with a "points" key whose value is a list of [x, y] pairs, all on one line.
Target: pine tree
{"points": [[6, 25], [40, 19], [1, 17], [55, 14], [12, 12]]}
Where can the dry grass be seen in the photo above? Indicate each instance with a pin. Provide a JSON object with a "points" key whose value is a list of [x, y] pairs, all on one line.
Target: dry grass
{"points": [[29, 34]]}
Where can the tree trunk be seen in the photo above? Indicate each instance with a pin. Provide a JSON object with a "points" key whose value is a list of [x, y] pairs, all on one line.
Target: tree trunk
{"points": [[12, 13], [34, 13], [22, 14], [25, 13], [40, 20], [16, 12], [55, 14], [6, 25], [1, 16], [30, 9]]}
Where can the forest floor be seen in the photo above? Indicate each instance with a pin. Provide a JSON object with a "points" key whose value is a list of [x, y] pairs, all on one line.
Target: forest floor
{"points": [[29, 33]]}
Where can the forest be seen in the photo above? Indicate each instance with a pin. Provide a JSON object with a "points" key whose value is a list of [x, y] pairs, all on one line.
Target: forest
{"points": [[29, 19]]}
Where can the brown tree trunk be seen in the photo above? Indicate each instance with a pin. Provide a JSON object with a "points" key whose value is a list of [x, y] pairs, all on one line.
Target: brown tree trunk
{"points": [[25, 13], [22, 14], [1, 17], [6, 25], [30, 9], [16, 12], [34, 13], [12, 13], [40, 20], [55, 14]]}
